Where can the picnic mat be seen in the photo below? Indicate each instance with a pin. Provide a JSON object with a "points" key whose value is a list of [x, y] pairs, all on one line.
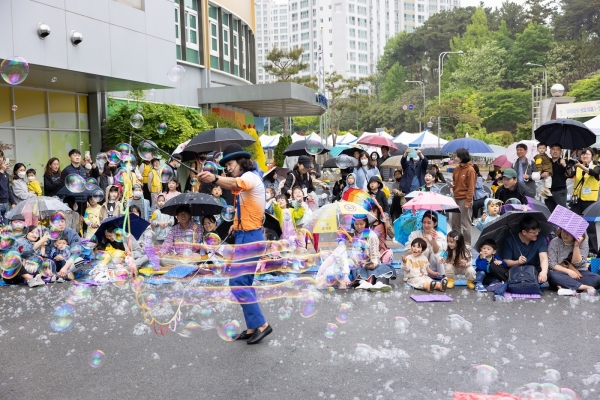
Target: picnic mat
{"points": [[522, 296], [428, 298]]}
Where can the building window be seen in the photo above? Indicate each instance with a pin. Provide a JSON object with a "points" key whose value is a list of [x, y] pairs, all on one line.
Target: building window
{"points": [[420, 7], [177, 29], [421, 19], [409, 18], [191, 35], [214, 37], [351, 20], [294, 38], [362, 34], [362, 69], [294, 6], [352, 44], [303, 3], [304, 14], [304, 36], [294, 27], [362, 10], [295, 17], [283, 31], [409, 6], [305, 46], [362, 58], [352, 56], [304, 25], [362, 22], [353, 68], [305, 57], [432, 8], [351, 8], [362, 46], [352, 32]]}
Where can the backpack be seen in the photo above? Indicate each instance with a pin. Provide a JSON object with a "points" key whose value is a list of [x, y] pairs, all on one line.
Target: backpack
{"points": [[523, 280]]}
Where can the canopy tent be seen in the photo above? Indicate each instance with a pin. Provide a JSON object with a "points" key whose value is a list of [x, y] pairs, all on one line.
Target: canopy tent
{"points": [[405, 138], [269, 142], [594, 125], [313, 136], [343, 139], [427, 139], [498, 151], [296, 137]]}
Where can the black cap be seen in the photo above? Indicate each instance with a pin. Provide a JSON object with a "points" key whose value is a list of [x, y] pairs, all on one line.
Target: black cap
{"points": [[305, 160]]}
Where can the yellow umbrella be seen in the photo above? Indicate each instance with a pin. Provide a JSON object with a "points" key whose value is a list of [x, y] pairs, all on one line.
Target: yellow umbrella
{"points": [[327, 218]]}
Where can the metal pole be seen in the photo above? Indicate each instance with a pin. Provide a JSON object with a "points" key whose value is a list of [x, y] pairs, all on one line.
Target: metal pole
{"points": [[440, 67]]}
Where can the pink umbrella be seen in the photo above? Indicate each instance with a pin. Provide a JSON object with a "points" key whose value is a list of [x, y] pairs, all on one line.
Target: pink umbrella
{"points": [[432, 201], [378, 141], [501, 161]]}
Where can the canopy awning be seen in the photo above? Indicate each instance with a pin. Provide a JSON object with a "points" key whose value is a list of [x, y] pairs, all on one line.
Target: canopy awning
{"points": [[281, 99]]}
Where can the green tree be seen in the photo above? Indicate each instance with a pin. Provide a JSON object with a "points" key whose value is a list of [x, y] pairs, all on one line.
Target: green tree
{"points": [[394, 83], [217, 121], [284, 142], [502, 110], [531, 46], [183, 124], [514, 16], [523, 131], [481, 68], [539, 11], [578, 19], [305, 124], [476, 35], [342, 95], [586, 89], [453, 114]]}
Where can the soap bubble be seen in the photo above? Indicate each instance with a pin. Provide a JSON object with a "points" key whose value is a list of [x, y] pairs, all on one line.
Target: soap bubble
{"points": [[119, 176], [345, 161], [101, 159], [119, 235], [217, 159], [136, 120], [188, 236], [513, 202], [63, 318], [91, 183], [161, 128], [113, 156], [147, 150], [401, 324], [229, 331], [211, 167], [11, 260], [312, 147], [212, 239], [14, 70], [18, 227], [57, 218], [75, 183], [98, 195], [128, 161], [96, 358], [342, 317], [14, 107], [228, 213], [285, 313], [124, 150], [33, 265], [166, 174], [90, 243], [551, 375], [151, 92], [309, 308], [330, 330], [484, 376], [79, 294], [193, 181], [176, 73], [6, 241], [54, 232]]}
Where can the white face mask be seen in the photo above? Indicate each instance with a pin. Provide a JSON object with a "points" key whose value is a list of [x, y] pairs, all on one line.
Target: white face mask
{"points": [[373, 157], [364, 161], [88, 166], [137, 193], [31, 178], [21, 175]]}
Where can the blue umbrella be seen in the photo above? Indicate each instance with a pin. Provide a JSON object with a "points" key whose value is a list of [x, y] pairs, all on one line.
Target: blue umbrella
{"points": [[136, 224], [345, 149], [473, 145]]}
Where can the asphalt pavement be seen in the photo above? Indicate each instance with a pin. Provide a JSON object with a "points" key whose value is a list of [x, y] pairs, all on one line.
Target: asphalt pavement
{"points": [[356, 345]]}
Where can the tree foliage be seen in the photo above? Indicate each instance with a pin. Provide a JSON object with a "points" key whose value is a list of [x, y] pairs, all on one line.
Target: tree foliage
{"points": [[586, 89], [284, 142]]}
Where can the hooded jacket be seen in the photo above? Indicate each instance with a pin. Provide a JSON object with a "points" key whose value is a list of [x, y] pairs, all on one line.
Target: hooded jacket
{"points": [[379, 194], [479, 223], [104, 209], [349, 186]]}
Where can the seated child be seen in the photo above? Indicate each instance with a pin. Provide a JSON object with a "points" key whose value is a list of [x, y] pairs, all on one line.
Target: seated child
{"points": [[487, 255], [459, 260], [544, 164], [33, 185], [60, 253], [492, 211], [92, 217], [416, 268]]}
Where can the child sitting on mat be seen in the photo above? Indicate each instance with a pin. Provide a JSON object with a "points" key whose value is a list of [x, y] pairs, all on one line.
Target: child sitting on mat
{"points": [[416, 269]]}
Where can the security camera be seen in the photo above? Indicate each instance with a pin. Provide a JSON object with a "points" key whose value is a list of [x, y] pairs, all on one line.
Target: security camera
{"points": [[43, 30], [76, 38]]}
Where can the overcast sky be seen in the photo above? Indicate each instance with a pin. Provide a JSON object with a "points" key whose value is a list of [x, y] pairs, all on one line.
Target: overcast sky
{"points": [[488, 3]]}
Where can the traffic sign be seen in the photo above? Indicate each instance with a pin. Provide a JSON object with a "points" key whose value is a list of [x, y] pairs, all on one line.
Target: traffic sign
{"points": [[411, 107], [405, 107]]}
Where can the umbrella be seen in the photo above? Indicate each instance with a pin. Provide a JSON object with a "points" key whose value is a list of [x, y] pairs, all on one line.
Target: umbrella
{"points": [[408, 222], [270, 222], [332, 162], [432, 201], [570, 134], [39, 207], [417, 192], [361, 198], [498, 151], [181, 147], [279, 171], [401, 149], [538, 205], [329, 217], [200, 204], [215, 140], [378, 141], [136, 225], [473, 145], [347, 149], [591, 214], [511, 151], [501, 161], [299, 149], [433, 153], [392, 162], [509, 222]]}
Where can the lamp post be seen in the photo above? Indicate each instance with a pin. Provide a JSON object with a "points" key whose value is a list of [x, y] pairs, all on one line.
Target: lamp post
{"points": [[440, 73], [422, 84], [545, 76]]}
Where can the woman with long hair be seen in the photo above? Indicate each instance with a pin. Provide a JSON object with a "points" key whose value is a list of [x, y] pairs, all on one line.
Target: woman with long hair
{"points": [[52, 181], [364, 171]]}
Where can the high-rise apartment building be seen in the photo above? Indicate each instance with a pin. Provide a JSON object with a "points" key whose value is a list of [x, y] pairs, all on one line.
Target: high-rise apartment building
{"points": [[348, 36]]}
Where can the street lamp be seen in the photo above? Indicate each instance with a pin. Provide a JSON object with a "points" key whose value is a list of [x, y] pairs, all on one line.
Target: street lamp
{"points": [[545, 77], [440, 72], [422, 84]]}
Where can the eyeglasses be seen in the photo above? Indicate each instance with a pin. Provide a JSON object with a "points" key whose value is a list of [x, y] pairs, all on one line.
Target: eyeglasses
{"points": [[534, 232]]}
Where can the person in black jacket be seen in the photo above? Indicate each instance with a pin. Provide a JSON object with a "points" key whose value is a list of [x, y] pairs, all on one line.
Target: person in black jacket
{"points": [[52, 179], [375, 186], [76, 168], [340, 185], [299, 176]]}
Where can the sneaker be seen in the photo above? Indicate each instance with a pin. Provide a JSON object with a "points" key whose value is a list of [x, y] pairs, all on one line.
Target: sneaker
{"points": [[479, 287], [380, 287], [444, 284], [471, 285], [494, 286], [366, 285], [566, 292], [60, 280], [35, 282], [450, 283], [53, 279], [547, 192]]}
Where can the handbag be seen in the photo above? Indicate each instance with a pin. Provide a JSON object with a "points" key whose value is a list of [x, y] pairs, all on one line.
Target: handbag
{"points": [[523, 280]]}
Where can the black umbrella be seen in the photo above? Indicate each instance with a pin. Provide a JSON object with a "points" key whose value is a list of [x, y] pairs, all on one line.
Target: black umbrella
{"points": [[136, 225], [508, 224], [433, 153], [200, 204], [332, 163], [279, 171], [570, 134], [299, 149], [215, 140], [401, 149], [270, 223], [538, 205]]}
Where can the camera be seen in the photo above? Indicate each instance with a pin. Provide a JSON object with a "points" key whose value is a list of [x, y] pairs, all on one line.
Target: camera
{"points": [[572, 161]]}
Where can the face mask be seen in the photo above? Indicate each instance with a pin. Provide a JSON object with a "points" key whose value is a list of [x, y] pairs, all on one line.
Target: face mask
{"points": [[137, 193], [21, 175], [398, 179], [373, 157], [364, 161], [31, 178], [88, 166]]}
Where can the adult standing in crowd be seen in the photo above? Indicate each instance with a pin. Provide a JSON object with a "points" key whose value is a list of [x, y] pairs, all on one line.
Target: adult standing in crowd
{"points": [[75, 167], [7, 199], [387, 174], [560, 174], [585, 191], [20, 190], [524, 169], [247, 186], [413, 171], [52, 179], [480, 194], [299, 176], [463, 181], [364, 171]]}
